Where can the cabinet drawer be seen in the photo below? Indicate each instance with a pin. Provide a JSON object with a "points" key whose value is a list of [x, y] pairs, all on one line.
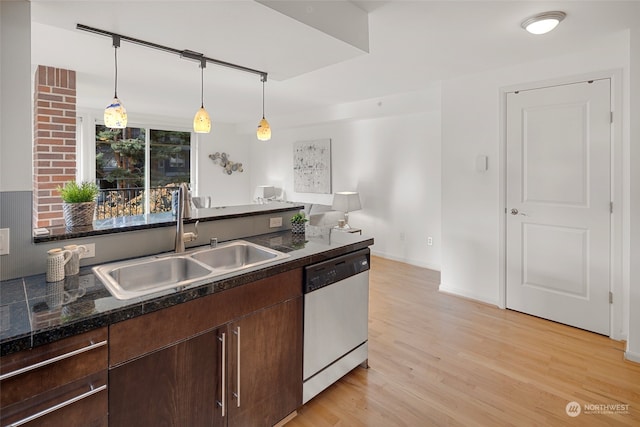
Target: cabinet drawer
{"points": [[82, 403], [139, 336], [67, 377]]}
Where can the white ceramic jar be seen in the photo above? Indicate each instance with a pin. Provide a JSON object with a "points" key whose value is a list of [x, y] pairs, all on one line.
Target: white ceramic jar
{"points": [[73, 266], [56, 260]]}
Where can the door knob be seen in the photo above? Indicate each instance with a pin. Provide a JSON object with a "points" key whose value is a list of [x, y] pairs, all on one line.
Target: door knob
{"points": [[514, 211]]}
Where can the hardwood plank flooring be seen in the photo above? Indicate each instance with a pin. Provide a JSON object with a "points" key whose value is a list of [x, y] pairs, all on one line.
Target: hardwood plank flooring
{"points": [[441, 360]]}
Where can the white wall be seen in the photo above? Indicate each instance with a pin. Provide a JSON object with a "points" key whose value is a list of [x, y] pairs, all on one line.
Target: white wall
{"points": [[471, 211], [225, 190], [15, 96], [393, 162], [633, 342]]}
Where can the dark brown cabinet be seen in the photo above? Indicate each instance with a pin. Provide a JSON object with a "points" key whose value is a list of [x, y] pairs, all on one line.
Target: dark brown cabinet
{"points": [[176, 386], [63, 383], [265, 365], [233, 358]]}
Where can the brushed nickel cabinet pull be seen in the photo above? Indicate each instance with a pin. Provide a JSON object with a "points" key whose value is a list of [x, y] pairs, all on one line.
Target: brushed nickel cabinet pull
{"points": [[30, 418], [52, 360]]}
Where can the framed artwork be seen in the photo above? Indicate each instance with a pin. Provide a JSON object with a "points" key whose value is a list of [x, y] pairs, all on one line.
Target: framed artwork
{"points": [[312, 166]]}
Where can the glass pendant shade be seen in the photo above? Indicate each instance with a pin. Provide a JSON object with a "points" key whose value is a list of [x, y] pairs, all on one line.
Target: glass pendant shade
{"points": [[202, 121], [115, 115], [264, 130]]}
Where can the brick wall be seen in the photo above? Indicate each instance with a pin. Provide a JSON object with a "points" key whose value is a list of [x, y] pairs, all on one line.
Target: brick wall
{"points": [[54, 148]]}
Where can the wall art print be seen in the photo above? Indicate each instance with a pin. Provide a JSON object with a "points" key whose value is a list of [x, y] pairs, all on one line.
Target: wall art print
{"points": [[312, 166]]}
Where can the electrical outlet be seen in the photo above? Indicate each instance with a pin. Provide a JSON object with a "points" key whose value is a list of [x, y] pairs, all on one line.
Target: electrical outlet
{"points": [[90, 252], [429, 241], [402, 236], [4, 241], [275, 222]]}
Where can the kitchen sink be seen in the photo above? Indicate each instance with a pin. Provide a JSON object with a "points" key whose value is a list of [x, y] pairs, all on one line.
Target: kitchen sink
{"points": [[143, 276], [237, 255], [140, 277]]}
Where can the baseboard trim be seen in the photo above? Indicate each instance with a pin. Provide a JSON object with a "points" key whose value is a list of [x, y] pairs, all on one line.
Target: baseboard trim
{"points": [[406, 260], [466, 294], [632, 357]]}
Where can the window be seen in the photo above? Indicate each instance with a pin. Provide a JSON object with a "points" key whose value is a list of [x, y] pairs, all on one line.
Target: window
{"points": [[137, 169]]}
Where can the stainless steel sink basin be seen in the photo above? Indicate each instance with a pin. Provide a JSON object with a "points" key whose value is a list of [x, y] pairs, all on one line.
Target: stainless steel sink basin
{"points": [[143, 276], [236, 256], [140, 277]]}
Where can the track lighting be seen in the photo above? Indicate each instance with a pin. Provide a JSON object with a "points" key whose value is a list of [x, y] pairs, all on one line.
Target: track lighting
{"points": [[264, 130], [115, 115]]}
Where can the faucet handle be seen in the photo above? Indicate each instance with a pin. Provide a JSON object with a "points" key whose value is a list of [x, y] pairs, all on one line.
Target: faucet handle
{"points": [[191, 236]]}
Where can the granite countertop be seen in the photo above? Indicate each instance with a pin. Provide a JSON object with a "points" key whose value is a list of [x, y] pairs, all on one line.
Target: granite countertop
{"points": [[165, 219], [34, 312]]}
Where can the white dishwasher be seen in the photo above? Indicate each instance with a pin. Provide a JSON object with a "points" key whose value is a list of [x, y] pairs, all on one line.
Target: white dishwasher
{"points": [[336, 316]]}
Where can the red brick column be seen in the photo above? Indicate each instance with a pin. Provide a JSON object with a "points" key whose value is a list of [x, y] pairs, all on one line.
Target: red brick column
{"points": [[54, 145]]}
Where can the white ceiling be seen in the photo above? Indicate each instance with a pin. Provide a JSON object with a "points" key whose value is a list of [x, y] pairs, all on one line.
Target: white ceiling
{"points": [[411, 45]]}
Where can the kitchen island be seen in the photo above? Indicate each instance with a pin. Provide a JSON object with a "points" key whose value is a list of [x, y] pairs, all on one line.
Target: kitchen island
{"points": [[181, 334]]}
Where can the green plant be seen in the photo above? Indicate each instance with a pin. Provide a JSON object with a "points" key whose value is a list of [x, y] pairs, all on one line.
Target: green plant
{"points": [[72, 192], [299, 218]]}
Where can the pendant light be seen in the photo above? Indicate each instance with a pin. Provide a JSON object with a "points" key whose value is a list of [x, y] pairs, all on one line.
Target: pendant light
{"points": [[115, 115], [264, 130], [202, 121]]}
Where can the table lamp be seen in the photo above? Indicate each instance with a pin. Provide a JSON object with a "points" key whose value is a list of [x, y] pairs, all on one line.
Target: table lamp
{"points": [[346, 201], [264, 193]]}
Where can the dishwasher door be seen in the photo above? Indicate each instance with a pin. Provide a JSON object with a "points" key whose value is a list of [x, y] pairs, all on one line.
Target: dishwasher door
{"points": [[335, 322]]}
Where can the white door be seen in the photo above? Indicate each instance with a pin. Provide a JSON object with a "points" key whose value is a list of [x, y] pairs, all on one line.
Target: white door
{"points": [[558, 203]]}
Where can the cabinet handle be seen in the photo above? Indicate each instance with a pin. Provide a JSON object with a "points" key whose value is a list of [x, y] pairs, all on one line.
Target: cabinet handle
{"points": [[52, 360], [223, 338], [30, 418], [237, 394]]}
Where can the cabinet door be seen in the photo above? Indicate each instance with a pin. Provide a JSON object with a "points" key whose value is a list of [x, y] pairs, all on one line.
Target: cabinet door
{"points": [[265, 365], [176, 386]]}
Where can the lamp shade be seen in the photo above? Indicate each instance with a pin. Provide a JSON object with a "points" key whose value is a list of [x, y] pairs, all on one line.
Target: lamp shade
{"points": [[346, 201], [115, 115], [202, 121], [265, 192], [264, 130]]}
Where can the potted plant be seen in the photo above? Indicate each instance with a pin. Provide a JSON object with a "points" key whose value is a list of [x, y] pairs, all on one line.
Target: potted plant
{"points": [[297, 223], [79, 202]]}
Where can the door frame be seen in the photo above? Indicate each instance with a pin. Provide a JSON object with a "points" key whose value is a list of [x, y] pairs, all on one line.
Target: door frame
{"points": [[619, 181]]}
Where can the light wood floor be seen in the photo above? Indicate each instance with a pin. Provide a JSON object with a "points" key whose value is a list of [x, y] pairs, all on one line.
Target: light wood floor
{"points": [[441, 360]]}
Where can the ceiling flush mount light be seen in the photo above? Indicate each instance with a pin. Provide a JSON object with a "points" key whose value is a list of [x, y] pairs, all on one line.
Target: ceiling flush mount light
{"points": [[115, 115], [202, 121], [264, 130], [543, 22]]}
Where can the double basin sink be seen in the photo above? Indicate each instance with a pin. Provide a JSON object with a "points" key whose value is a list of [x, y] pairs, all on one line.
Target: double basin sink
{"points": [[142, 276]]}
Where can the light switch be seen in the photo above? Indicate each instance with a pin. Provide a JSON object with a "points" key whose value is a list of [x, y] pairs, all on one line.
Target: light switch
{"points": [[482, 163], [4, 241]]}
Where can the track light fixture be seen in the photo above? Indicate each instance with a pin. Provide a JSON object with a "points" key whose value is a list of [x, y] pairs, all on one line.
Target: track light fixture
{"points": [[202, 121], [264, 130], [115, 115]]}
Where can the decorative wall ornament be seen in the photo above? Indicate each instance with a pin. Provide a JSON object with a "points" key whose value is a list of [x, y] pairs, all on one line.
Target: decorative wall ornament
{"points": [[312, 166], [228, 166]]}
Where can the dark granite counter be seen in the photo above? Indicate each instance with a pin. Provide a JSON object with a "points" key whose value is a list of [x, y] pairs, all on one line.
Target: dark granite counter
{"points": [[34, 312], [165, 219]]}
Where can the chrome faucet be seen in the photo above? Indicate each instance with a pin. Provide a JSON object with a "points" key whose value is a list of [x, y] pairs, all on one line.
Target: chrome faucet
{"points": [[181, 236]]}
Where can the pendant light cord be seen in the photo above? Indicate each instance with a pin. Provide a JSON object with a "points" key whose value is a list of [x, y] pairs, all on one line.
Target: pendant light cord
{"points": [[201, 84], [115, 54], [263, 98]]}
